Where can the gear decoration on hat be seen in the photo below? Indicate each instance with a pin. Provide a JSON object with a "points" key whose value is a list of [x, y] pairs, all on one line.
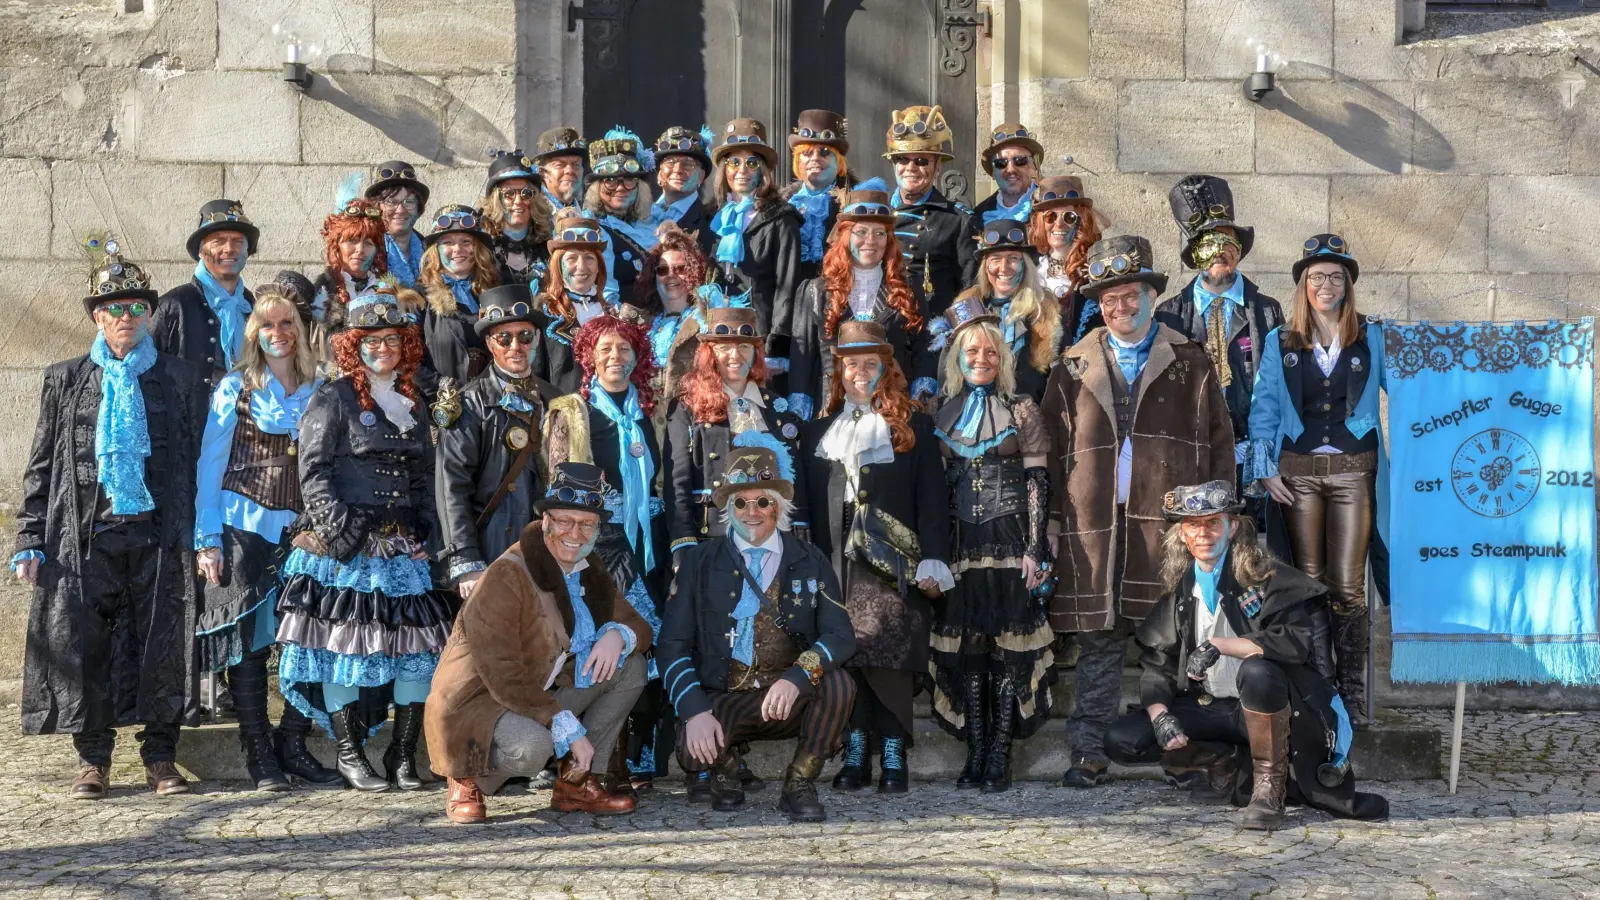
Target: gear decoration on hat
{"points": [[109, 272], [919, 129], [758, 461], [1200, 500], [620, 154]]}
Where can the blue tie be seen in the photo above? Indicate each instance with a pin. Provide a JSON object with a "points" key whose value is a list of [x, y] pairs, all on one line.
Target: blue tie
{"points": [[744, 644]]}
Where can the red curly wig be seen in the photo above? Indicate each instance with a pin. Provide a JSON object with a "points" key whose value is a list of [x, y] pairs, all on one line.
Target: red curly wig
{"points": [[838, 271], [890, 399], [672, 238], [1078, 254], [341, 227], [701, 389], [553, 296], [347, 353], [644, 367]]}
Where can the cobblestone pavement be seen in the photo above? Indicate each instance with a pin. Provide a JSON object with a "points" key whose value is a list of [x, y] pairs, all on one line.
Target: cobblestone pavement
{"points": [[1526, 823]]}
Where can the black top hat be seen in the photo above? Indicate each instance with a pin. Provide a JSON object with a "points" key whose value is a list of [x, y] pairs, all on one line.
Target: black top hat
{"points": [[398, 173], [113, 278], [746, 134], [505, 165], [1004, 234], [223, 215], [505, 303], [821, 126], [560, 141], [577, 486], [1327, 248], [681, 141], [1198, 500], [1202, 203], [1121, 259], [458, 219]]}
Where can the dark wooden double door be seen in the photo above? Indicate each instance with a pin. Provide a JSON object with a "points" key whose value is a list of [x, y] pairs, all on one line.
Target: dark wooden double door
{"points": [[651, 64]]}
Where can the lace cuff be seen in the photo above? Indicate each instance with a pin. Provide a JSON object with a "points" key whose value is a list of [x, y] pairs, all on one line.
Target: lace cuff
{"points": [[801, 405], [25, 555], [564, 729], [924, 386], [465, 568], [1259, 462], [938, 571], [207, 542], [657, 507]]}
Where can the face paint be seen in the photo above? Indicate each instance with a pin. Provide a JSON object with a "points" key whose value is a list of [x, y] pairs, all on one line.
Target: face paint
{"points": [[265, 341], [966, 367], [367, 358]]}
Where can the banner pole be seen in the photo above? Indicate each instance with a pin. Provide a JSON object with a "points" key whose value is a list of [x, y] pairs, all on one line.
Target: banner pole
{"points": [[1455, 734]]}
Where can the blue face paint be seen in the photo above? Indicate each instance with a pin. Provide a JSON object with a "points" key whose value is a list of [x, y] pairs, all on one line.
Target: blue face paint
{"points": [[693, 184], [368, 359], [264, 340], [830, 172]]}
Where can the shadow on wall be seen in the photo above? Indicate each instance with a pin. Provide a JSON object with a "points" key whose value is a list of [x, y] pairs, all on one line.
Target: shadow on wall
{"points": [[406, 108], [1362, 120]]}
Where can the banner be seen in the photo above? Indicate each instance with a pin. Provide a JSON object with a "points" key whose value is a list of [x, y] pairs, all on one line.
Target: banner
{"points": [[1492, 502]]}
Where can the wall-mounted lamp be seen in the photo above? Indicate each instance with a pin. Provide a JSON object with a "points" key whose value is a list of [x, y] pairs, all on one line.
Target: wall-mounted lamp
{"points": [[294, 71], [1262, 82]]}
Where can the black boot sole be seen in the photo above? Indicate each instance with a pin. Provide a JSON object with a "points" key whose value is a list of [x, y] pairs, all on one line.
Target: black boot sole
{"points": [[847, 780], [893, 787], [801, 817]]}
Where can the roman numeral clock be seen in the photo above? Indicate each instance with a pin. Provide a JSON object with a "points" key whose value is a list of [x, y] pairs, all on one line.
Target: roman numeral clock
{"points": [[1495, 473]]}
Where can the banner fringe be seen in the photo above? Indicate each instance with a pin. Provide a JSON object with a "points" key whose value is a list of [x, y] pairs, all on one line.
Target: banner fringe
{"points": [[1446, 662]]}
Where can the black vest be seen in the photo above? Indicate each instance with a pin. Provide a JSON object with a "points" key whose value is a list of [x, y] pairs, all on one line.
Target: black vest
{"points": [[1325, 401]]}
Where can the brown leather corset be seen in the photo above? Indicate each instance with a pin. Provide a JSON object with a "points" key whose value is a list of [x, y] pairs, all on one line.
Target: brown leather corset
{"points": [[263, 467]]}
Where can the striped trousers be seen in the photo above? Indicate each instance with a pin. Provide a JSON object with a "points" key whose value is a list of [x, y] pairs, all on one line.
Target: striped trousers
{"points": [[818, 720]]}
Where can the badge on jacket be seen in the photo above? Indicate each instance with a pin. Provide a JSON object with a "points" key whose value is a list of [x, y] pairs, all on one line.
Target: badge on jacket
{"points": [[447, 408], [1250, 602]]}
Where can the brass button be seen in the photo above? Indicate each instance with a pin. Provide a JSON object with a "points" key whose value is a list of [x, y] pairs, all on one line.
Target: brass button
{"points": [[712, 456], [861, 496], [864, 469], [716, 482], [1327, 383]]}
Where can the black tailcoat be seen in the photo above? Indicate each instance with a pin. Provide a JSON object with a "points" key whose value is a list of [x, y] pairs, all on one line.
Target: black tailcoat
{"points": [[811, 354], [770, 271], [1180, 313], [183, 325], [555, 361], [697, 454], [937, 233]]}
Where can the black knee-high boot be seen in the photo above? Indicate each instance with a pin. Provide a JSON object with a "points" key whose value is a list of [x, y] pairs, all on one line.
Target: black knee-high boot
{"points": [[249, 680], [1352, 644], [400, 760], [974, 700], [1002, 714], [351, 734]]}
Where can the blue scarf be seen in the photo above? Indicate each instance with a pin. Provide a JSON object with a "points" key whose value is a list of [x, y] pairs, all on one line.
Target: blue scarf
{"points": [[813, 206], [460, 287], [663, 334], [898, 203], [972, 413], [1131, 358], [230, 307], [1207, 581], [121, 432], [641, 233], [729, 224], [1001, 306], [1020, 212], [583, 630], [637, 471], [744, 645], [403, 265], [514, 234]]}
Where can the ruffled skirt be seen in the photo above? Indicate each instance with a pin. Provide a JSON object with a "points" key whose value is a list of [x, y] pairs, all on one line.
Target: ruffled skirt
{"points": [[239, 617]]}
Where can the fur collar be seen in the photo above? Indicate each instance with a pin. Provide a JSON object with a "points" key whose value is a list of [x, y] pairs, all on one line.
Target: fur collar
{"points": [[598, 591]]}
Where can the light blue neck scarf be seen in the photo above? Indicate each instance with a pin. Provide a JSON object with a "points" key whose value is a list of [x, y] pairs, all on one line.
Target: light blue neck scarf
{"points": [[1020, 212], [1207, 581], [583, 630], [460, 287], [637, 471], [729, 224], [230, 307], [641, 233], [403, 265], [1132, 357], [744, 646], [813, 206], [972, 412], [899, 202], [121, 431]]}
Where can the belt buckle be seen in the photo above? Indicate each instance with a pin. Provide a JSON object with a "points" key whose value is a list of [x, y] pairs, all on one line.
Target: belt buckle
{"points": [[1322, 461]]}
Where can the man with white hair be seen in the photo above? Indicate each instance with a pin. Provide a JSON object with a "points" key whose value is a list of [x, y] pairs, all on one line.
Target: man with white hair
{"points": [[774, 673]]}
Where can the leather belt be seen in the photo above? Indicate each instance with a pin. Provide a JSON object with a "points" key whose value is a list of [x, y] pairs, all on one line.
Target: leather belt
{"points": [[1318, 465]]}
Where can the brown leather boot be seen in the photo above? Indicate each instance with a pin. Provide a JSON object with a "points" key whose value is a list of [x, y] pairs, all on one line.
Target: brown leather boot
{"points": [[1182, 767], [165, 779], [587, 794], [465, 804], [92, 783], [1269, 752], [1221, 769]]}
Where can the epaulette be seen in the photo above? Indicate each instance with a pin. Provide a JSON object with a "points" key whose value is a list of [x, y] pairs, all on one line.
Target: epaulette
{"points": [[961, 207]]}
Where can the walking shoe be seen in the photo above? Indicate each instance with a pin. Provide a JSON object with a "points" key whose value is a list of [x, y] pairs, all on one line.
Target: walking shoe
{"points": [[1086, 772], [296, 761], [165, 779], [92, 784], [464, 805], [585, 793]]}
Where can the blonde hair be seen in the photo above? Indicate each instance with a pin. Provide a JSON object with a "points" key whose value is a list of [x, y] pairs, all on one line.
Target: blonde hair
{"points": [[540, 215], [252, 364], [1005, 381], [1251, 565], [1029, 307], [430, 276], [640, 211]]}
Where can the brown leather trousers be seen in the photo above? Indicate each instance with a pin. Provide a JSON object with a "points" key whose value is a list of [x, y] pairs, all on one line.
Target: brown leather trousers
{"points": [[1330, 522]]}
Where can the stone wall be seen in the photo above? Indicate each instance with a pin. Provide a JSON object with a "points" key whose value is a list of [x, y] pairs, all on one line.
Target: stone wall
{"points": [[128, 114]]}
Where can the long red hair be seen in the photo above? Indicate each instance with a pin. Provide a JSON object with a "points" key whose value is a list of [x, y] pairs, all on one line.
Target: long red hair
{"points": [[555, 297], [890, 399], [838, 271], [644, 359], [1078, 254], [347, 353], [701, 389]]}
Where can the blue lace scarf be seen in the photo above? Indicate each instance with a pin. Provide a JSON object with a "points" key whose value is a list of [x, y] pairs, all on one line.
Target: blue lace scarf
{"points": [[728, 224], [230, 307], [403, 265], [121, 431], [1020, 212], [813, 206], [637, 471], [663, 334]]}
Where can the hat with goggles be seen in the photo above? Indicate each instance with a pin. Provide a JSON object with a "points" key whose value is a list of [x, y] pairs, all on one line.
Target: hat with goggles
{"points": [[1203, 204], [504, 304], [681, 141], [376, 309], [757, 461], [730, 324], [1326, 248], [113, 279], [620, 154], [562, 140], [580, 487], [509, 165], [746, 134], [868, 202], [577, 233], [821, 126], [397, 173], [457, 219], [1011, 134], [1121, 259], [1197, 501], [1004, 234], [918, 130]]}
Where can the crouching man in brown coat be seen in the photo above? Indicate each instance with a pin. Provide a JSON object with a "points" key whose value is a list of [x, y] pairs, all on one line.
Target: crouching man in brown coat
{"points": [[546, 657], [1134, 410]]}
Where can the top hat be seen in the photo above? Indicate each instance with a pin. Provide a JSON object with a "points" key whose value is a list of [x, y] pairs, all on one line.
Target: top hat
{"points": [[503, 304], [867, 202], [113, 278], [458, 219], [576, 486], [968, 311], [1198, 500], [821, 126], [1327, 248], [223, 215], [681, 141], [375, 309], [576, 232], [300, 290], [1004, 234], [620, 154], [856, 337], [919, 129], [756, 461], [1121, 259], [745, 134], [560, 141], [1054, 191], [1202, 203], [1012, 134], [506, 165], [730, 324], [394, 174]]}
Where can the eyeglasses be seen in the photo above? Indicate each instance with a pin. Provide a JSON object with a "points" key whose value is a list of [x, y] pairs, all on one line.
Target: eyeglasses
{"points": [[392, 341], [919, 162], [118, 310], [1001, 163], [509, 194], [524, 337], [409, 204], [626, 182], [515, 310], [1121, 264], [1051, 216], [665, 270], [569, 524], [723, 329], [455, 220], [1015, 236], [406, 172], [741, 503], [918, 127], [749, 162], [1318, 279]]}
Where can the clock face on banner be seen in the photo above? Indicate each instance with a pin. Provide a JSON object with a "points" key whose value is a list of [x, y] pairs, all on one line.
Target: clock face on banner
{"points": [[1495, 473]]}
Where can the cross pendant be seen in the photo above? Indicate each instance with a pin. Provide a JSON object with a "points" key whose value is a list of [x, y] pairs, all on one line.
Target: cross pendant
{"points": [[733, 635]]}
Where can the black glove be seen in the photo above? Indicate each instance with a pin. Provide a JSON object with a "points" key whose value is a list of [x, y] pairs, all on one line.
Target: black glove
{"points": [[1167, 728], [1204, 657]]}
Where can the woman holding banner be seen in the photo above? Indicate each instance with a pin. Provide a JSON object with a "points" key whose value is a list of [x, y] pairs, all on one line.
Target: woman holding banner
{"points": [[1315, 445]]}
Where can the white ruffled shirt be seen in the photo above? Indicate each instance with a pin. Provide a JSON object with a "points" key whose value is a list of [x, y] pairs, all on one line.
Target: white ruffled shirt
{"points": [[864, 291], [395, 405]]}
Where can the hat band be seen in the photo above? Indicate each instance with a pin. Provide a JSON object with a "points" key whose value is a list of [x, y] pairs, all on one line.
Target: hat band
{"points": [[866, 209]]}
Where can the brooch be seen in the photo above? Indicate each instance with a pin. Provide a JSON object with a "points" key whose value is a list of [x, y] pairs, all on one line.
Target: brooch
{"points": [[1355, 363], [447, 409], [781, 405], [1291, 359], [368, 418], [636, 450], [789, 431]]}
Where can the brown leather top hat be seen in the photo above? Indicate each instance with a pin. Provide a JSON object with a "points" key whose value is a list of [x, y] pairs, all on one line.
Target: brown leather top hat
{"points": [[745, 134], [731, 324], [576, 233], [1121, 259], [861, 337], [821, 126], [1055, 191], [752, 469], [868, 202], [968, 311], [1012, 134]]}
